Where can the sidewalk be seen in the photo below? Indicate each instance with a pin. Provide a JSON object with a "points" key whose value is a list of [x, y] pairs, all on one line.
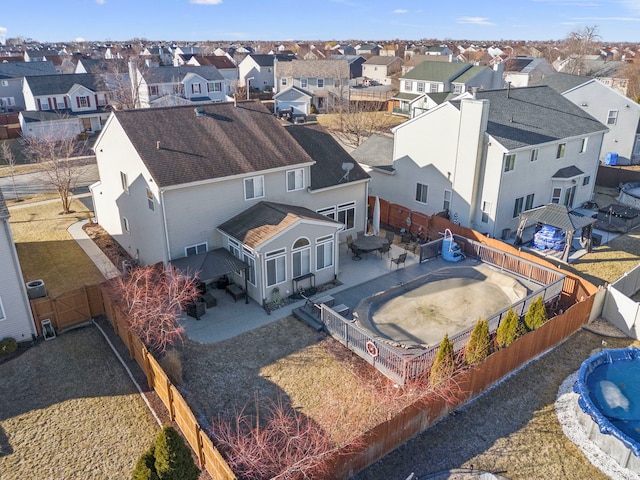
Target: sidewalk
{"points": [[103, 263]]}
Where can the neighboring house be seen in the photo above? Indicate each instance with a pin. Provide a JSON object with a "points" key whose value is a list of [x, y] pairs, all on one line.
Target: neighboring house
{"points": [[159, 55], [64, 105], [620, 114], [164, 86], [525, 71], [175, 182], [15, 312], [295, 99], [379, 69], [11, 78], [368, 49], [225, 66], [260, 70], [355, 63], [438, 77], [326, 80], [487, 159]]}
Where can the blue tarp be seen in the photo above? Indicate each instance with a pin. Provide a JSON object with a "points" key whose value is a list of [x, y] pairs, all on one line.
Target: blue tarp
{"points": [[611, 159], [549, 237]]}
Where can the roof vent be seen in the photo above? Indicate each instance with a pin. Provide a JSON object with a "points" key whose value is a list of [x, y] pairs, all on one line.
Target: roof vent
{"points": [[199, 112], [158, 145]]}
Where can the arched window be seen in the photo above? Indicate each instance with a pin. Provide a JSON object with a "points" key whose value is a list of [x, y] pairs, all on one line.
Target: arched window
{"points": [[301, 257]]}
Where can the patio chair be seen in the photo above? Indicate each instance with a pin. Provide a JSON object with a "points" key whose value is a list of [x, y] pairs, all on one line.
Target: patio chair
{"points": [[386, 248], [400, 259], [357, 253], [390, 236], [349, 242]]}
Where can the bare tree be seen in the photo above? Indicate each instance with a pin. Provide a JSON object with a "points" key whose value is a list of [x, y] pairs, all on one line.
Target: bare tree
{"points": [[578, 44], [357, 121], [152, 299], [57, 153], [632, 73], [10, 160], [124, 86]]}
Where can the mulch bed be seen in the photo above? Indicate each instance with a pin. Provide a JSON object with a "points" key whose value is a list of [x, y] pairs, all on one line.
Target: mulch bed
{"points": [[105, 242]]}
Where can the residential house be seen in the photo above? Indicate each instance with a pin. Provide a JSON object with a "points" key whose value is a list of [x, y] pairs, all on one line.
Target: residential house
{"points": [[368, 49], [64, 104], [15, 312], [11, 78], [163, 86], [260, 70], [378, 70], [179, 181], [157, 55], [225, 66], [326, 80], [434, 77], [525, 71], [487, 159], [355, 63], [620, 114]]}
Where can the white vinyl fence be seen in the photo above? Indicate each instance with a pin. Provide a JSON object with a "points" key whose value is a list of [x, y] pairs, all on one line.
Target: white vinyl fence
{"points": [[619, 309]]}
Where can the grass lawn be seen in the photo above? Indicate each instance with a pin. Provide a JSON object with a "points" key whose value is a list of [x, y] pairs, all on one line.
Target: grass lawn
{"points": [[69, 410], [48, 252]]}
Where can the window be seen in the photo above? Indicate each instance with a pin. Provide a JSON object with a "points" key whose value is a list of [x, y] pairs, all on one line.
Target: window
{"points": [[569, 195], [328, 212], [534, 154], [583, 145], [301, 257], [457, 88], [150, 201], [153, 90], [486, 210], [295, 180], [83, 102], [125, 224], [561, 148], [324, 252], [612, 117], [4, 83], [44, 104], [347, 214], [195, 88], [408, 85], [234, 248], [555, 196], [509, 162], [420, 87], [283, 81], [276, 267], [214, 87], [304, 83], [321, 83], [446, 204], [517, 207], [421, 193], [253, 188], [586, 180], [124, 181], [251, 261], [195, 249], [528, 203], [178, 89], [102, 99], [60, 103], [433, 88]]}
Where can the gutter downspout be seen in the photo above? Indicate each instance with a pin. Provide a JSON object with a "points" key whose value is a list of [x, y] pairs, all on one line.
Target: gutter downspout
{"points": [[164, 224]]}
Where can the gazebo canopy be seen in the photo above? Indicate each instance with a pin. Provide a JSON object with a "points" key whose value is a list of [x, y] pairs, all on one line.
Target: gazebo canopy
{"points": [[210, 265], [557, 216]]}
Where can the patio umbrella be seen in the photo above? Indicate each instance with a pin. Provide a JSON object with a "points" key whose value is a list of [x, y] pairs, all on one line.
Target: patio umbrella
{"points": [[376, 216]]}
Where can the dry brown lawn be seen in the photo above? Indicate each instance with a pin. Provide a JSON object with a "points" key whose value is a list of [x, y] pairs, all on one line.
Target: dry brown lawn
{"points": [[47, 251], [69, 410]]}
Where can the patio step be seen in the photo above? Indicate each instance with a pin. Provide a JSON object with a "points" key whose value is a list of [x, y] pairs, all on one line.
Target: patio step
{"points": [[304, 315]]}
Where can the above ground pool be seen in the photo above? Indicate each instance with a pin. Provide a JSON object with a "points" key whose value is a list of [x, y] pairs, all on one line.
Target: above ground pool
{"points": [[608, 386]]}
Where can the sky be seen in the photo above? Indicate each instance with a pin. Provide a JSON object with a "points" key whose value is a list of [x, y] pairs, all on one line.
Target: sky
{"points": [[281, 20]]}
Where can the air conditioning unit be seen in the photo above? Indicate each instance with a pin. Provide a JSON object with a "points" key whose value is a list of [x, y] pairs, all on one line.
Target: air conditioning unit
{"points": [[36, 289]]}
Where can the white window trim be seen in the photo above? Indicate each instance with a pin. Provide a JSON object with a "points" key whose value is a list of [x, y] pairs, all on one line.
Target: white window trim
{"points": [[343, 208], [511, 159], [196, 248], [234, 247], [445, 200], [301, 187], [4, 83], [3, 315], [485, 212], [244, 184], [534, 154], [299, 250], [274, 255], [323, 242], [304, 82], [424, 186], [151, 203], [125, 225], [583, 144], [329, 212], [124, 181], [320, 80], [561, 147], [613, 117]]}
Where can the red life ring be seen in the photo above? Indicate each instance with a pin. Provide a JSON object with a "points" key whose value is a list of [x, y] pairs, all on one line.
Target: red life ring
{"points": [[372, 349]]}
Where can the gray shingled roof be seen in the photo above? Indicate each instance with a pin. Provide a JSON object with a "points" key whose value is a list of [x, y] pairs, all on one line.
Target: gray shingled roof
{"points": [[313, 68], [221, 62], [4, 210], [209, 265], [265, 60], [380, 60], [328, 155], [264, 220], [558, 216], [176, 74], [103, 65], [568, 172], [375, 151], [526, 116], [23, 69], [62, 83], [434, 71], [226, 141], [562, 82]]}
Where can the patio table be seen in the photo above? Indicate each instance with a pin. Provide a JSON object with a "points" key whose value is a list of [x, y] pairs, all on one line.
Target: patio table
{"points": [[370, 243]]}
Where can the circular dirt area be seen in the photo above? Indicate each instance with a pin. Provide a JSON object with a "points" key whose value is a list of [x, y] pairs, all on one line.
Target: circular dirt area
{"points": [[446, 305]]}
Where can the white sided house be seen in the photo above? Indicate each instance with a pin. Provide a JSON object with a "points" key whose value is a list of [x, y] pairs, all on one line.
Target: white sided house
{"points": [[489, 158], [176, 182], [15, 312]]}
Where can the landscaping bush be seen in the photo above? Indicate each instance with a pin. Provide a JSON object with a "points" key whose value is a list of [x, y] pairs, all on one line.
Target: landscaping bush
{"points": [[444, 365], [536, 315], [508, 330], [479, 344], [169, 458], [171, 363], [8, 346]]}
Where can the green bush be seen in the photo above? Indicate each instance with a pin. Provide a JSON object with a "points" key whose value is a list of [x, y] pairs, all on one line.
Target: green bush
{"points": [[313, 109], [169, 458], [536, 315], [479, 344], [444, 365], [8, 346], [508, 330]]}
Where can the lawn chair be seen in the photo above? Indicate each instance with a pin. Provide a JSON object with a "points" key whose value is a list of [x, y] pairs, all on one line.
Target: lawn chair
{"points": [[357, 253], [349, 242], [390, 236], [400, 259], [386, 248]]}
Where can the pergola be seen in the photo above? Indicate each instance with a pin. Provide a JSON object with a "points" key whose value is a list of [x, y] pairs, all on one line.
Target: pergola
{"points": [[211, 265], [558, 216]]}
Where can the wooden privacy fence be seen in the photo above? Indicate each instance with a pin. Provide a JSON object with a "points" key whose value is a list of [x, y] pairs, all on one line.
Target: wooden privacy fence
{"points": [[69, 309], [208, 456]]}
